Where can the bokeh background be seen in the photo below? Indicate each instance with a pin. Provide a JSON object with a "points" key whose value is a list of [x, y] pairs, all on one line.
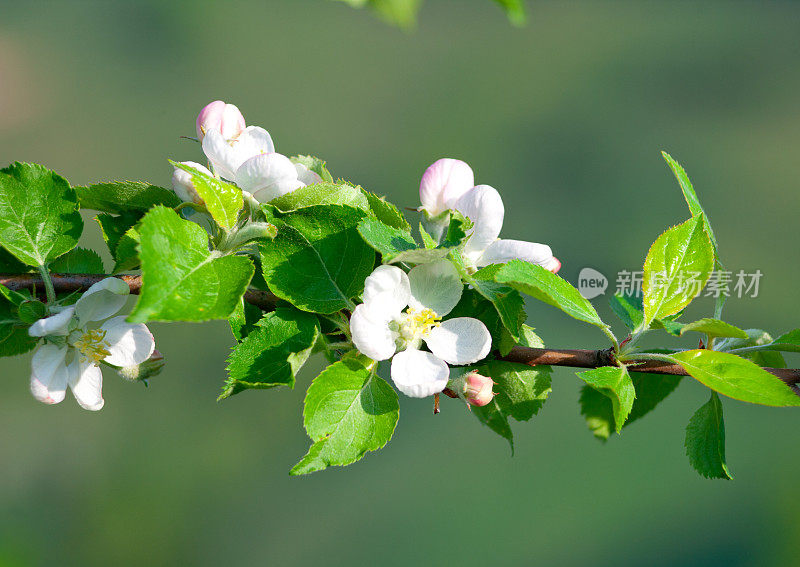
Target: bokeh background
{"points": [[566, 117]]}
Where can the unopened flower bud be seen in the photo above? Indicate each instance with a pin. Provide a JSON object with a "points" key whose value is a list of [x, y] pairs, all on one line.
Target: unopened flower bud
{"points": [[183, 185], [145, 370], [224, 118], [473, 388]]}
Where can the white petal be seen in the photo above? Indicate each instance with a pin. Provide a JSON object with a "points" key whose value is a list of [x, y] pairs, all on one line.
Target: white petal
{"points": [[419, 374], [371, 333], [443, 183], [49, 374], [484, 207], [268, 176], [306, 175], [57, 324], [102, 300], [86, 383], [129, 344], [501, 251], [462, 340], [228, 155], [435, 286], [387, 291]]}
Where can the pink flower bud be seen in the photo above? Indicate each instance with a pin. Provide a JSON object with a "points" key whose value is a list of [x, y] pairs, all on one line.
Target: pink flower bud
{"points": [[183, 185], [224, 118], [478, 389]]}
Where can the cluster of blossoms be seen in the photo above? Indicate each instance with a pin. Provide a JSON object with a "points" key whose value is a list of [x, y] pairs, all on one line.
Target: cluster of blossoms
{"points": [[77, 338], [449, 184], [241, 154], [401, 311]]}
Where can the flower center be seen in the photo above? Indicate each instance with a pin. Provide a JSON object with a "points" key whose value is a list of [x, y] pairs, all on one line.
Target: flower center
{"points": [[413, 326], [92, 346]]}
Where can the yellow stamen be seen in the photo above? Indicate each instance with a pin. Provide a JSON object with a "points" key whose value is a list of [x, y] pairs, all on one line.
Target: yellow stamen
{"points": [[92, 346]]}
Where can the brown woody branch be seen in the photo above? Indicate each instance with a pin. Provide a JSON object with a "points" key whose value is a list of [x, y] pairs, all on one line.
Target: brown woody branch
{"points": [[574, 358]]}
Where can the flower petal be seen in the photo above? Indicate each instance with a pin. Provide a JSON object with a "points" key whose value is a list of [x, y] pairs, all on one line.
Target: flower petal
{"points": [[462, 340], [419, 374], [86, 383], [436, 286], [128, 344], [268, 176], [49, 374], [371, 333], [102, 300], [57, 324], [501, 251], [387, 291], [306, 175], [224, 118], [443, 183], [226, 156], [484, 207]]}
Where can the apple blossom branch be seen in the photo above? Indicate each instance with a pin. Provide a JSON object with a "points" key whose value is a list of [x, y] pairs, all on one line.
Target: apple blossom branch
{"points": [[574, 358]]}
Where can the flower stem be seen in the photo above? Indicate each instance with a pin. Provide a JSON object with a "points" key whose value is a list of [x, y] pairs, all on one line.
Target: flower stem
{"points": [[48, 285]]}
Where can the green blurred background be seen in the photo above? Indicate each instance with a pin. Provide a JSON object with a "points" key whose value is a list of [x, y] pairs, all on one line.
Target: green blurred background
{"points": [[566, 117]]}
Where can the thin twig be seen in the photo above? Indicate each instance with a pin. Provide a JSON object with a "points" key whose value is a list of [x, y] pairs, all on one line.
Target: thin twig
{"points": [[574, 358]]}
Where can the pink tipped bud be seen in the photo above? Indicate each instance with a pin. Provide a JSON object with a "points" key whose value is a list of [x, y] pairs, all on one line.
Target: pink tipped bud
{"points": [[554, 265], [224, 118], [477, 389], [145, 370], [183, 185]]}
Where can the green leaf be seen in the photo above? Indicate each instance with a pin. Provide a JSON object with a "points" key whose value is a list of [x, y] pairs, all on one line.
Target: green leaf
{"points": [[508, 302], [492, 416], [628, 308], [78, 261], [386, 212], [546, 286], [318, 261], [244, 319], [10, 265], [789, 342], [314, 164], [114, 227], [39, 218], [182, 280], [223, 200], [515, 10], [758, 337], [676, 269], [126, 255], [650, 389], [714, 328], [31, 311], [273, 353], [521, 389], [14, 337], [120, 197], [615, 383], [322, 194], [735, 377], [348, 411], [705, 440], [397, 245], [690, 195]]}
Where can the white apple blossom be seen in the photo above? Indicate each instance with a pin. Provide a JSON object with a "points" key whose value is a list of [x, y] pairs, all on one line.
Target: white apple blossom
{"points": [[449, 184], [74, 345], [401, 311], [271, 175]]}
